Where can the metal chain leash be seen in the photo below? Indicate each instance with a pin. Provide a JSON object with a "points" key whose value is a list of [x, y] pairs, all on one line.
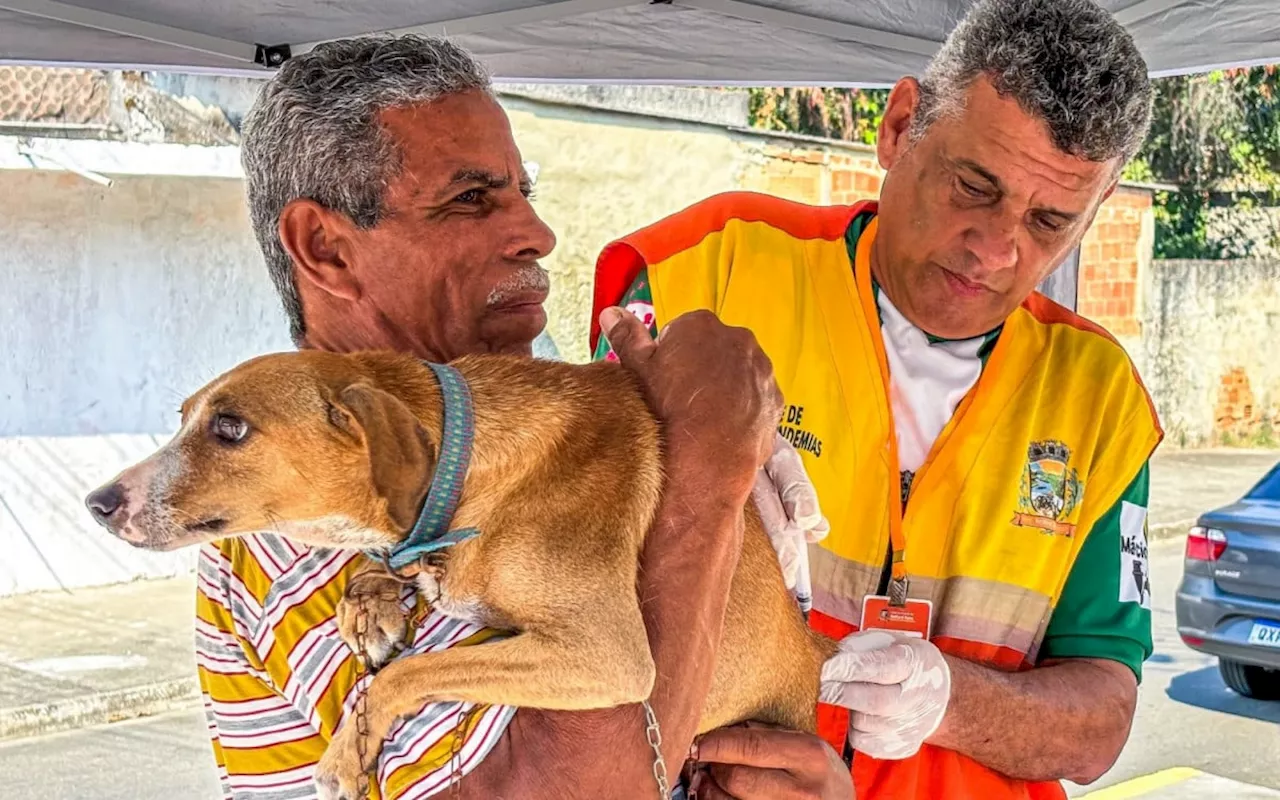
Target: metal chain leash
{"points": [[654, 734], [361, 597], [362, 695], [455, 752]]}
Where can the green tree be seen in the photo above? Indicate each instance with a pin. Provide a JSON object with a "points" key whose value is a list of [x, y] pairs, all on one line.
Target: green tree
{"points": [[851, 115], [1216, 136]]}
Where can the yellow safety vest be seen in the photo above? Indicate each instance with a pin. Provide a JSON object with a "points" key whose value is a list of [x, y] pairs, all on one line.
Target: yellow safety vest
{"points": [[1042, 446]]}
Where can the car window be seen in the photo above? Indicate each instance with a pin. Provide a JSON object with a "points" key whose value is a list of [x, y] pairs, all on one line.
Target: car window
{"points": [[1268, 488]]}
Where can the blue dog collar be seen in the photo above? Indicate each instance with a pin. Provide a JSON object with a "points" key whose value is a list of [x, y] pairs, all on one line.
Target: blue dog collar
{"points": [[431, 532]]}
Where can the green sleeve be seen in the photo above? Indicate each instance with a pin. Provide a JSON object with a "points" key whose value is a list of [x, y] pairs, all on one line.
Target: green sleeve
{"points": [[1105, 608], [639, 299]]}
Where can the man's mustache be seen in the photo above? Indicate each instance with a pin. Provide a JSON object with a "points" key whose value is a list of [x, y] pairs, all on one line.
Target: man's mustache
{"points": [[532, 278]]}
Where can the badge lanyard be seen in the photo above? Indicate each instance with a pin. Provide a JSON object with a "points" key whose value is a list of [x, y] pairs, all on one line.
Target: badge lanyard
{"points": [[894, 611]]}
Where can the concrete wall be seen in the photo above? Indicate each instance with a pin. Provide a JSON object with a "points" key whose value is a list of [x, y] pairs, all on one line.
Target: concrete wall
{"points": [[117, 303], [602, 174], [1211, 353], [120, 301]]}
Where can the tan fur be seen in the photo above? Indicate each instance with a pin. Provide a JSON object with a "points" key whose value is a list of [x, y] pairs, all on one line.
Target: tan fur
{"points": [[564, 484]]}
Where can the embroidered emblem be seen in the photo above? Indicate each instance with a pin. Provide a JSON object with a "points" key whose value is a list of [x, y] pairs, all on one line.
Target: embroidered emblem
{"points": [[1049, 491]]}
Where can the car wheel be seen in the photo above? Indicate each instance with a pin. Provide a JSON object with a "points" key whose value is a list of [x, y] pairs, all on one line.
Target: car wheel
{"points": [[1250, 681]]}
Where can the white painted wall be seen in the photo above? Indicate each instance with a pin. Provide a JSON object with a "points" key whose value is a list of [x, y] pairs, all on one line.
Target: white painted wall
{"points": [[115, 303]]}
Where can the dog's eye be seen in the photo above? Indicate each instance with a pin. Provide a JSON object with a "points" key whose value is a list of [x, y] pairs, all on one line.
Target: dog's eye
{"points": [[229, 428]]}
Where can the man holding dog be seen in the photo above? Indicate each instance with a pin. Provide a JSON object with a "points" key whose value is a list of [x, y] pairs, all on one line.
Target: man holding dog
{"points": [[980, 452], [392, 208], [389, 200]]}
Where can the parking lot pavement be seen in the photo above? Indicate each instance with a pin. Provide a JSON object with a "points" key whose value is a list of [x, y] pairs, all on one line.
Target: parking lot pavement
{"points": [[1192, 736], [1181, 783]]}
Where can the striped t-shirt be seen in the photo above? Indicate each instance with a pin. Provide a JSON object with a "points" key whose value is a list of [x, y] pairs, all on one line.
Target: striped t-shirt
{"points": [[277, 678]]}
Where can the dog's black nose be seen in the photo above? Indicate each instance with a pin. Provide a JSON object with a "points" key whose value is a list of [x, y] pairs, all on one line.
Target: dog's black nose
{"points": [[106, 501]]}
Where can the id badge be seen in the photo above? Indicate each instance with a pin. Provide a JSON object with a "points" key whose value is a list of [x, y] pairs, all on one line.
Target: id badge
{"points": [[914, 618]]}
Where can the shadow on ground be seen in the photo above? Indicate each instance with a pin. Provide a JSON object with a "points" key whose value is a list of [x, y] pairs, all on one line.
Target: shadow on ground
{"points": [[1204, 688]]}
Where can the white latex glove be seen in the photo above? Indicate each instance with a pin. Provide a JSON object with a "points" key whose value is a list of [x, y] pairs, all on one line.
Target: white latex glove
{"points": [[788, 506], [897, 687]]}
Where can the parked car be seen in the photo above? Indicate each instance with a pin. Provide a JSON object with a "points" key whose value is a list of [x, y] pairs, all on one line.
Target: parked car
{"points": [[1228, 603]]}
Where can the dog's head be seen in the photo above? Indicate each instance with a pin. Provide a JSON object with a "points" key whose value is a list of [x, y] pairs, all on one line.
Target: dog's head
{"points": [[304, 444]]}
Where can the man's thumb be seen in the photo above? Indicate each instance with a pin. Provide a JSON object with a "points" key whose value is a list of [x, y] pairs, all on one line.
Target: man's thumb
{"points": [[627, 336]]}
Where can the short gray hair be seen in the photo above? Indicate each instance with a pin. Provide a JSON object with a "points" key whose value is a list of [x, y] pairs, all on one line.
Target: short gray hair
{"points": [[1066, 62], [313, 133]]}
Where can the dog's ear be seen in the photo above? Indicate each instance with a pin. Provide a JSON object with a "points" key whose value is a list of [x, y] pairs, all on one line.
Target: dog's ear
{"points": [[401, 456]]}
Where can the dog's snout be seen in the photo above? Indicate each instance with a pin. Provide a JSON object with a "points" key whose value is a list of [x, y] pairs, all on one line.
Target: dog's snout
{"points": [[103, 503]]}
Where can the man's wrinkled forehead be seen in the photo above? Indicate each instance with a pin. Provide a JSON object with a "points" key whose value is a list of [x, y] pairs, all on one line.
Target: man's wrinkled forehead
{"points": [[994, 139], [450, 145]]}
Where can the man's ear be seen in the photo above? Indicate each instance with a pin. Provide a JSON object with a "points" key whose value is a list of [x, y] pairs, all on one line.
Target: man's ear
{"points": [[1110, 189], [894, 137], [402, 459], [319, 241]]}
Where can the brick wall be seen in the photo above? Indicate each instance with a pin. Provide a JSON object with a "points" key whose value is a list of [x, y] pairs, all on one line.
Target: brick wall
{"points": [[1114, 259], [817, 173], [855, 177]]}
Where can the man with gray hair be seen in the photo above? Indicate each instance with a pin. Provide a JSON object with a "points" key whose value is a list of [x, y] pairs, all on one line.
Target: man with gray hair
{"points": [[392, 206], [980, 452]]}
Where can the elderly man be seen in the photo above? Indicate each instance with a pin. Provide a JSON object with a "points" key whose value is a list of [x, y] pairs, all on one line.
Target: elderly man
{"points": [[390, 203], [980, 452]]}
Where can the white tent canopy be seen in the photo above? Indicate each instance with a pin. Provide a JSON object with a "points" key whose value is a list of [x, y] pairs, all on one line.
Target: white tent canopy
{"points": [[760, 42]]}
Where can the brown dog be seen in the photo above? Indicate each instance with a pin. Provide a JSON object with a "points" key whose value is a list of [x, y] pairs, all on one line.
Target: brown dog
{"points": [[339, 450]]}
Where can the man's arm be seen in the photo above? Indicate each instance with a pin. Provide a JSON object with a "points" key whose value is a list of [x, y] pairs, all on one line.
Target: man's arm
{"points": [[1064, 719], [1087, 681], [713, 389]]}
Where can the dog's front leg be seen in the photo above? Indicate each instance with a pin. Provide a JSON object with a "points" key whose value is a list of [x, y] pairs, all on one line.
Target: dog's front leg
{"points": [[374, 593], [567, 671]]}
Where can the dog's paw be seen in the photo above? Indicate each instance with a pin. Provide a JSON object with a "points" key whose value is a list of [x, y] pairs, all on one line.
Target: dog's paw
{"points": [[385, 622], [339, 775]]}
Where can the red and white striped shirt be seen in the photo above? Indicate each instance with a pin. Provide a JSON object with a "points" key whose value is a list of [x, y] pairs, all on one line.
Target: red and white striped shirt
{"points": [[278, 680]]}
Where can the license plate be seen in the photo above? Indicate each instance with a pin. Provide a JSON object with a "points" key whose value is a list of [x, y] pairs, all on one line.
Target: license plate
{"points": [[1265, 634]]}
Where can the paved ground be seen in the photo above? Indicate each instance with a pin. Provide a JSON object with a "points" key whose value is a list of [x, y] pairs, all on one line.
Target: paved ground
{"points": [[1192, 739], [74, 658], [69, 660], [1185, 484], [1188, 719], [157, 758]]}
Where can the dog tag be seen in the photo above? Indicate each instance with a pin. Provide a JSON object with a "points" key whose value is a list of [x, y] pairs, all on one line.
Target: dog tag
{"points": [[913, 618]]}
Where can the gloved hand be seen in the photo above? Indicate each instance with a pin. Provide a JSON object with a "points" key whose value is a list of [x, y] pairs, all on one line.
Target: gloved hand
{"points": [[788, 506], [897, 687]]}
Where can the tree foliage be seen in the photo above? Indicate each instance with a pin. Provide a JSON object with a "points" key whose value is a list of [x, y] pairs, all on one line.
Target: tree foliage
{"points": [[1216, 137], [851, 115]]}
